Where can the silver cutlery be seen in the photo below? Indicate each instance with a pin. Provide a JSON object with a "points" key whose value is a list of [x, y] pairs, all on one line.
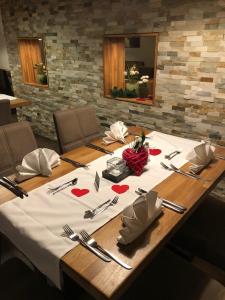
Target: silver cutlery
{"points": [[166, 203], [69, 233], [179, 171], [190, 174], [15, 185], [9, 187], [98, 148], [111, 203], [220, 156], [92, 242], [91, 212], [172, 154], [74, 162], [62, 186]]}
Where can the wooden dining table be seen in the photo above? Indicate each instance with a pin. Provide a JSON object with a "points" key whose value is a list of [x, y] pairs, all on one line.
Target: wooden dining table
{"points": [[109, 280], [18, 102]]}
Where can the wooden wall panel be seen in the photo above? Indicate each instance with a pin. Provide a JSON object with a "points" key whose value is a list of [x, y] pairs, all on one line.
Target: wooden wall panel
{"points": [[114, 64], [30, 54]]}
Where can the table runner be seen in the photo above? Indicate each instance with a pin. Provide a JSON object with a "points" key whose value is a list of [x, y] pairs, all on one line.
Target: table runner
{"points": [[34, 224]]}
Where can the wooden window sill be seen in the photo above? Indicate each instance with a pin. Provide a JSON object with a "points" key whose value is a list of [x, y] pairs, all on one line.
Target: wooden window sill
{"points": [[143, 101], [45, 86]]}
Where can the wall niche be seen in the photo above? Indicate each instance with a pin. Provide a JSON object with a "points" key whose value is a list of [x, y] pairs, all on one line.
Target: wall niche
{"points": [[130, 67], [33, 61]]}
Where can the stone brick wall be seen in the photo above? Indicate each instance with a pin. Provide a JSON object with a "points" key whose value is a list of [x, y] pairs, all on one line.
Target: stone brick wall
{"points": [[190, 82]]}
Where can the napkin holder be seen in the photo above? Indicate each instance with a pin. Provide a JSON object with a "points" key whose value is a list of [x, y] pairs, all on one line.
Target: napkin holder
{"points": [[116, 170]]}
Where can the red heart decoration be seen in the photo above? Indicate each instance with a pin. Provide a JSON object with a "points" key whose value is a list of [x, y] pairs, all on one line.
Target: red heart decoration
{"points": [[136, 160], [120, 189], [154, 152], [79, 192]]}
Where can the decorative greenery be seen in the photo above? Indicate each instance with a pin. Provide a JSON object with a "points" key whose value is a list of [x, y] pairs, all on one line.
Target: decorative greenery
{"points": [[41, 73], [139, 141], [130, 94], [116, 92]]}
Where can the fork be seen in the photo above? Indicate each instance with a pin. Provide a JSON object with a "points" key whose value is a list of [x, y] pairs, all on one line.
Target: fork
{"points": [[92, 242], [62, 186], [178, 171], [172, 154], [91, 212], [73, 236], [111, 203]]}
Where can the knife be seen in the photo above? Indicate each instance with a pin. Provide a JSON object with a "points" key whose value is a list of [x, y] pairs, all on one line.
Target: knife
{"points": [[16, 186], [89, 145], [17, 192], [168, 204], [73, 162], [172, 207]]}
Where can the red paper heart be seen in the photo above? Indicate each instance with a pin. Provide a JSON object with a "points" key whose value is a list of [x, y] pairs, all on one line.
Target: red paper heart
{"points": [[79, 192], [120, 189], [154, 152]]}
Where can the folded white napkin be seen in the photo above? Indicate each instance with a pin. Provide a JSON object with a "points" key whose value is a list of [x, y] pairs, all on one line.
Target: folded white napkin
{"points": [[117, 132], [138, 216], [200, 157], [40, 161]]}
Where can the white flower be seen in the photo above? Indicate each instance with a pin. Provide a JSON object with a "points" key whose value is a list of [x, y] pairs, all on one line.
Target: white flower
{"points": [[145, 80], [144, 77], [140, 82], [136, 72], [132, 72], [125, 73]]}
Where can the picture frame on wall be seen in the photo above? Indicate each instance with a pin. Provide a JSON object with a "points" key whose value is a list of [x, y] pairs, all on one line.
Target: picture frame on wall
{"points": [[132, 42]]}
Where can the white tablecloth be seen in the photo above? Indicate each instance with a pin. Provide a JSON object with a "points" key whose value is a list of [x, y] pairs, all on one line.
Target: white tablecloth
{"points": [[34, 224]]}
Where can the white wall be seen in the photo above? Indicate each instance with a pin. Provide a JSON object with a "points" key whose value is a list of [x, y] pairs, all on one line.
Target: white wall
{"points": [[145, 53], [4, 61]]}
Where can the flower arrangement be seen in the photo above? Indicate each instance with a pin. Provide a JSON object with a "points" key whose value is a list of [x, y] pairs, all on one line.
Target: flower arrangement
{"points": [[143, 87], [143, 80], [137, 156], [41, 68], [41, 73], [132, 74]]}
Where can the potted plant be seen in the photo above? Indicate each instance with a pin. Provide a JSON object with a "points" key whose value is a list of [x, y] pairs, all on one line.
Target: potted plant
{"points": [[143, 86]]}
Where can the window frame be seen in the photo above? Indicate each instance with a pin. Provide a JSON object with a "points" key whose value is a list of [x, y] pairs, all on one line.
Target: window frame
{"points": [[129, 35], [42, 51]]}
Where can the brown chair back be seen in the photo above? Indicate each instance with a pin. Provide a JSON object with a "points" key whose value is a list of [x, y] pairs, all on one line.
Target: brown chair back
{"points": [[75, 127], [16, 140], [5, 112]]}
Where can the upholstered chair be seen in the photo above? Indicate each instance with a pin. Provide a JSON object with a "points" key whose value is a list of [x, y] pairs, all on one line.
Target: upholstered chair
{"points": [[21, 283], [16, 140], [5, 112], [203, 234], [75, 127], [171, 277]]}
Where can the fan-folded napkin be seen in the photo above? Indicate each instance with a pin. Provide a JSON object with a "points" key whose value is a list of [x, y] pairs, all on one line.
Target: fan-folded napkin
{"points": [[38, 162], [117, 132], [138, 216], [200, 157]]}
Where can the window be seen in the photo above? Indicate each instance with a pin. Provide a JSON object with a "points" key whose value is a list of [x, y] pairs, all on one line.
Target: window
{"points": [[130, 67], [33, 63]]}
